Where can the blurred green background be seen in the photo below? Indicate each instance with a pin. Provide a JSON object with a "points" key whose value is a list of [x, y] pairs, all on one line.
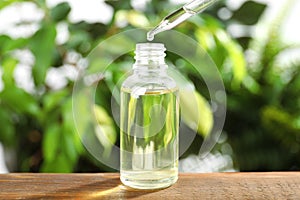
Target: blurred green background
{"points": [[42, 54]]}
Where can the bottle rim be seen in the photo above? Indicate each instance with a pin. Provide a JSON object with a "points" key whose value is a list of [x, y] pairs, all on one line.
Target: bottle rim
{"points": [[150, 47], [150, 51]]}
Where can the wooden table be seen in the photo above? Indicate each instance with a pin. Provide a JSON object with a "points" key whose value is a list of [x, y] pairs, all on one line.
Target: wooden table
{"points": [[274, 185]]}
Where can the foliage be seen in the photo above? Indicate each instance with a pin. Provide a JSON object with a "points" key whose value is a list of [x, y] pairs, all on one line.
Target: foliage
{"points": [[264, 130], [262, 123]]}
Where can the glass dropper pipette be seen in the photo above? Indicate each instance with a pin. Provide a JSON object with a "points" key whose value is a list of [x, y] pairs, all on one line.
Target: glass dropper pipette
{"points": [[179, 16]]}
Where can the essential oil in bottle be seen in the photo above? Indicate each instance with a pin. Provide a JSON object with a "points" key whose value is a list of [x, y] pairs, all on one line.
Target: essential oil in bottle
{"points": [[149, 122]]}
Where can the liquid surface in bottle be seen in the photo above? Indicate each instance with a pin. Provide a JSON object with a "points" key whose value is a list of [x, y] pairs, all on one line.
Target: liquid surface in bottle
{"points": [[149, 138]]}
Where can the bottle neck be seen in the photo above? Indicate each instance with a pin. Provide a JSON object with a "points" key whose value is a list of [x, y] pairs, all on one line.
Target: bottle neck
{"points": [[150, 58]]}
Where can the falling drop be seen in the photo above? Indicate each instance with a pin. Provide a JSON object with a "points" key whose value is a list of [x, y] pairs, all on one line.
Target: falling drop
{"points": [[150, 36]]}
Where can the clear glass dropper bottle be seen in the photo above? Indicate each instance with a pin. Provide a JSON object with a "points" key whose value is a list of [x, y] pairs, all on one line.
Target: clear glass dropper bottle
{"points": [[149, 122], [179, 16]]}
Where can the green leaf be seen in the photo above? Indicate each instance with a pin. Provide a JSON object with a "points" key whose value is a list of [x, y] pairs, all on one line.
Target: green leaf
{"points": [[70, 133], [235, 56], [54, 99], [72, 143], [80, 41], [60, 165], [119, 5], [244, 41], [8, 44], [238, 62], [196, 112], [281, 124], [205, 38], [51, 142], [252, 85], [278, 118], [7, 129], [222, 48], [42, 45], [94, 30], [60, 11], [249, 13], [68, 146], [105, 131], [58, 59], [5, 3], [20, 101], [8, 65], [16, 98]]}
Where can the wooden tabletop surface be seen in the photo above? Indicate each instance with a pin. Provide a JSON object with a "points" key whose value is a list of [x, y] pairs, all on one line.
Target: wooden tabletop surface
{"points": [[272, 185]]}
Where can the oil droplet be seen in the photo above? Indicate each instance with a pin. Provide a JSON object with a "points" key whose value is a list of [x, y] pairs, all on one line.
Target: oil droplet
{"points": [[150, 36]]}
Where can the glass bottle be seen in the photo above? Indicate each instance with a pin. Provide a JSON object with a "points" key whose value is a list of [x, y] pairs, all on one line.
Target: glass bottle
{"points": [[149, 122]]}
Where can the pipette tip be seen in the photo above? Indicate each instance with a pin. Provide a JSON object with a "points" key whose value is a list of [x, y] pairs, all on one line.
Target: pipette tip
{"points": [[150, 36], [159, 28]]}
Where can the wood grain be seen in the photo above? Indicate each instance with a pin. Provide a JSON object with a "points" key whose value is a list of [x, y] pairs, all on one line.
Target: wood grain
{"points": [[272, 185]]}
